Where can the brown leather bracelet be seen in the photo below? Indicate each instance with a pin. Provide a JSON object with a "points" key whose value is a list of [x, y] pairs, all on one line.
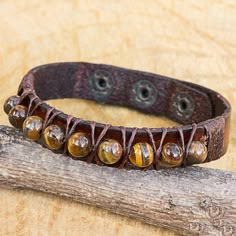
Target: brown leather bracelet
{"points": [[204, 114]]}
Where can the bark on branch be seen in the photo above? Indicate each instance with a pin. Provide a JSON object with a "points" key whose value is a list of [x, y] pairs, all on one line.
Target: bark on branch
{"points": [[192, 200]]}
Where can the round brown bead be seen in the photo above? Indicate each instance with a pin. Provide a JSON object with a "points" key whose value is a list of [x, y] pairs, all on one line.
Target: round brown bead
{"points": [[32, 127], [53, 137], [109, 151], [10, 103], [197, 153], [79, 145], [141, 155], [171, 156], [17, 115]]}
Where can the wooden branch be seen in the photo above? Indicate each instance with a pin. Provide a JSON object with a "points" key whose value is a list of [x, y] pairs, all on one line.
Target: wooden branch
{"points": [[192, 200]]}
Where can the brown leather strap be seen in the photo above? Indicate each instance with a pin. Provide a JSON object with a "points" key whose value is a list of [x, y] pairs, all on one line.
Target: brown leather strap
{"points": [[184, 102]]}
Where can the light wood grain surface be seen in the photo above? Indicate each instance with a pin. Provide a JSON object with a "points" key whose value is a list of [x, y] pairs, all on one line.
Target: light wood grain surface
{"points": [[190, 40]]}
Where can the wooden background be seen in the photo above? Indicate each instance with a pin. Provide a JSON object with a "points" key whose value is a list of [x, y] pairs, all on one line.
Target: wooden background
{"points": [[190, 40]]}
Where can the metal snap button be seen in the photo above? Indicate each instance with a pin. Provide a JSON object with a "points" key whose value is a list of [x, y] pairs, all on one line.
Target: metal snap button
{"points": [[183, 106], [144, 93], [101, 82]]}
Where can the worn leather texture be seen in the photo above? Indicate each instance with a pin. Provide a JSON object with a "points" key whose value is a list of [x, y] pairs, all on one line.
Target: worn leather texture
{"points": [[209, 117], [189, 40]]}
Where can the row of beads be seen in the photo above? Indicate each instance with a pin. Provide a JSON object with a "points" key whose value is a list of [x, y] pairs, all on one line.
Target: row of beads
{"points": [[109, 151]]}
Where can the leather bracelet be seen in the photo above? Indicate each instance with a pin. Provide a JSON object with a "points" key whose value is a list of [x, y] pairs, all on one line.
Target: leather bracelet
{"points": [[203, 113]]}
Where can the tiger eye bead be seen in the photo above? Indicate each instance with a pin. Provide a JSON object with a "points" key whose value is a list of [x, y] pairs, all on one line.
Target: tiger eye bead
{"points": [[53, 137], [32, 127], [197, 153], [10, 103], [141, 155], [79, 145], [17, 115], [171, 156], [109, 151]]}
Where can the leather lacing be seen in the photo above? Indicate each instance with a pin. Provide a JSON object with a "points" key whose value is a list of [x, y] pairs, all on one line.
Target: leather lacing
{"points": [[128, 147], [51, 114], [157, 152], [194, 128], [69, 131], [97, 142]]}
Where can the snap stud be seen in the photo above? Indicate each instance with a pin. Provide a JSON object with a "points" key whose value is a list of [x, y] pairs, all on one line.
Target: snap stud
{"points": [[183, 106], [144, 93], [101, 82]]}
